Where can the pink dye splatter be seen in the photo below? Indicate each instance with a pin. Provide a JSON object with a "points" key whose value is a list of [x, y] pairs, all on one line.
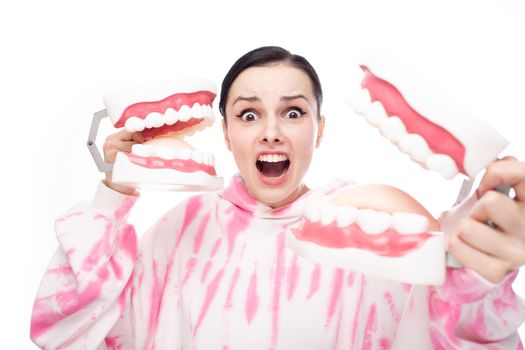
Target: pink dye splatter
{"points": [[197, 241], [314, 281], [116, 268], [478, 325], [215, 247], [252, 299], [389, 299], [124, 208], [370, 328], [112, 343], [293, 277], [61, 270], [439, 341], [445, 313], [123, 297], [190, 267], [385, 344], [205, 271], [128, 241], [359, 303], [228, 304], [236, 193], [155, 296], [337, 283], [101, 248], [68, 216], [351, 278], [193, 206], [279, 274], [337, 330], [45, 314], [210, 294], [507, 300], [239, 220]]}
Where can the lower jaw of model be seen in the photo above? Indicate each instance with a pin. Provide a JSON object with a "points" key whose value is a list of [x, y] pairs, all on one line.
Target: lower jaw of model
{"points": [[396, 246]]}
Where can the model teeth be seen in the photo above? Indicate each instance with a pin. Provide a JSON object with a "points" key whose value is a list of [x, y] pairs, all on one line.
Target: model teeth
{"points": [[313, 209], [173, 153], [372, 221], [393, 129], [196, 111], [346, 216], [170, 117], [375, 114], [328, 213], [408, 223], [415, 146], [272, 158], [442, 164], [369, 221]]}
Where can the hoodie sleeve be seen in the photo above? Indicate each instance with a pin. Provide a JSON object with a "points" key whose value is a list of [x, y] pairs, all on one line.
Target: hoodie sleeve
{"points": [[82, 293], [469, 312]]}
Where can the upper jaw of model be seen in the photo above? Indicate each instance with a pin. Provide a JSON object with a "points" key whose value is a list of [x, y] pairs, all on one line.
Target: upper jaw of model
{"points": [[160, 110], [435, 131], [164, 113]]}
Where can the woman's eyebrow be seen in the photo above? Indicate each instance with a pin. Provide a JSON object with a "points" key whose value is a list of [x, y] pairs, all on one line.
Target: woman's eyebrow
{"points": [[293, 97], [249, 99]]}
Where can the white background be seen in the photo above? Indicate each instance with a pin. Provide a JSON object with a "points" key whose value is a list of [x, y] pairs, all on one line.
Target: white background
{"points": [[59, 57]]}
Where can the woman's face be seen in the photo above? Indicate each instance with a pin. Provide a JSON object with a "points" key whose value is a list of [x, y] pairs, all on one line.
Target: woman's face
{"points": [[272, 130]]}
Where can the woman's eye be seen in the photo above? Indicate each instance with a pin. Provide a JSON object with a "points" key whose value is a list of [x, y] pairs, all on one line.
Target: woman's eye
{"points": [[294, 113], [249, 116]]}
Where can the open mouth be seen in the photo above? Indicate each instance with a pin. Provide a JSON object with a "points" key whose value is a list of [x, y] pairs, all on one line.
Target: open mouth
{"points": [[272, 165]]}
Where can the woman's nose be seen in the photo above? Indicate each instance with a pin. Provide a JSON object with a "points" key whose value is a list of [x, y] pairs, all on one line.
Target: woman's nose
{"points": [[271, 132]]}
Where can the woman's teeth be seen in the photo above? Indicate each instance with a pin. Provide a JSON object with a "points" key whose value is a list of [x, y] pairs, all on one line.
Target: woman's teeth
{"points": [[272, 158]]}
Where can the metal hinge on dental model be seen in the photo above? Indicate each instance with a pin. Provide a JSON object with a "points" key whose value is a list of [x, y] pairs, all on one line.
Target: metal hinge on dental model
{"points": [[91, 142]]}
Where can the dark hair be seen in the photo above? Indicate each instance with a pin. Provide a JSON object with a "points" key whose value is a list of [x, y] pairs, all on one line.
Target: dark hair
{"points": [[263, 56]]}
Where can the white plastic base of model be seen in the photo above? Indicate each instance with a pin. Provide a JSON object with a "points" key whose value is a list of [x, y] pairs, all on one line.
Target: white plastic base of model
{"points": [[425, 265], [133, 175]]}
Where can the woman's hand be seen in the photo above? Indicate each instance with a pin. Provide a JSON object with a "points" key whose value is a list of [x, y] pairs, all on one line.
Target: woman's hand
{"points": [[119, 142], [494, 251]]}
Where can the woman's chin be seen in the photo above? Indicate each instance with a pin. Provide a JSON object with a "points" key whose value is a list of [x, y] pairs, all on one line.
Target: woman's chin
{"points": [[278, 191]]}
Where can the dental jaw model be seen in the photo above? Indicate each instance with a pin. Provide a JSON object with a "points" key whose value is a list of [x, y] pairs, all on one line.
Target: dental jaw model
{"points": [[436, 131], [349, 234], [164, 113], [438, 134]]}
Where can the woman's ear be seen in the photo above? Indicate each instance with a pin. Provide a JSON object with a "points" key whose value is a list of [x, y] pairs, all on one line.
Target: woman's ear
{"points": [[226, 137], [320, 131]]}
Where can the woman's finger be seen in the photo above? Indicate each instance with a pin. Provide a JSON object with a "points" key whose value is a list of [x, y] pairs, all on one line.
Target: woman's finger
{"points": [[492, 242], [507, 171], [501, 210], [489, 267]]}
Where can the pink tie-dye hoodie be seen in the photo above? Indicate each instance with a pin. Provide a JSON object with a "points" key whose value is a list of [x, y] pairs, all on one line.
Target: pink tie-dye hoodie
{"points": [[215, 273]]}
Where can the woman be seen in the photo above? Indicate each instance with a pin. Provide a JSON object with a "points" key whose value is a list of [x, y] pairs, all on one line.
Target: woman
{"points": [[214, 272]]}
